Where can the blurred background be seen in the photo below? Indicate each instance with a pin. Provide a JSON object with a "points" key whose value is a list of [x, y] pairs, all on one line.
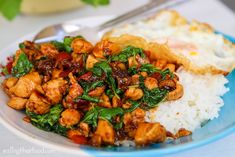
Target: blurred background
{"points": [[21, 17]]}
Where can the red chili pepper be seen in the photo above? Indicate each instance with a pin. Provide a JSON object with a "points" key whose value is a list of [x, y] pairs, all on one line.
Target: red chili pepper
{"points": [[64, 73], [85, 76], [63, 56], [9, 66], [79, 139]]}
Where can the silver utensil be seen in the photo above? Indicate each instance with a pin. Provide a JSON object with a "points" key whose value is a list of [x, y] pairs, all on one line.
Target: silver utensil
{"points": [[58, 31]]}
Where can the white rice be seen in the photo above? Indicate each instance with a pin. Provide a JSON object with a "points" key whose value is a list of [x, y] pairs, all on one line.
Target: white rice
{"points": [[201, 102]]}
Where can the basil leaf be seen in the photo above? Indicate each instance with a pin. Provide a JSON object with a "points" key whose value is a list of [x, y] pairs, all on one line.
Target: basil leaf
{"points": [[48, 121], [22, 67], [10, 8], [134, 106], [152, 97], [85, 96], [61, 46], [128, 52], [92, 116], [149, 68], [96, 2], [103, 67]]}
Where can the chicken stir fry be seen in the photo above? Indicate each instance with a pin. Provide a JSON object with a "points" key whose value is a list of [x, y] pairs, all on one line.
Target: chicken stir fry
{"points": [[93, 95]]}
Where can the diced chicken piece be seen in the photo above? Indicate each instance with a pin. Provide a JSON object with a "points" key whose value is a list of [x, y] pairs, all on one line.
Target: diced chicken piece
{"points": [[132, 61], [26, 85], [104, 134], [9, 82], [116, 102], [177, 93], [80, 45], [160, 63], [84, 127], [75, 90], [17, 103], [48, 49], [182, 132], [138, 115], [147, 133], [105, 102], [135, 79], [98, 91], [90, 62], [134, 93], [37, 103], [132, 120], [56, 73], [170, 66], [168, 84], [55, 89], [77, 137], [69, 117], [151, 83], [104, 48]]}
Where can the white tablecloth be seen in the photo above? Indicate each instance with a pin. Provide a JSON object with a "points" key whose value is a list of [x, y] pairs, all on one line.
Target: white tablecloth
{"points": [[210, 11]]}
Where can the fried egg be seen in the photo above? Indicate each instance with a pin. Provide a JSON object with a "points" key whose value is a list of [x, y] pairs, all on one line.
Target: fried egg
{"points": [[193, 44]]}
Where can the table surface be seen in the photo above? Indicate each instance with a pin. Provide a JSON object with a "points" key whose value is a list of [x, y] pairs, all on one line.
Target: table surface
{"points": [[210, 11]]}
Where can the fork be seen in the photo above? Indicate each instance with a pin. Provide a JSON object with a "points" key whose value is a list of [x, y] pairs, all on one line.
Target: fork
{"points": [[58, 31]]}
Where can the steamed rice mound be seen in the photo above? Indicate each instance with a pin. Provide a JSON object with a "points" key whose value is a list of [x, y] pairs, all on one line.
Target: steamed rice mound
{"points": [[201, 102]]}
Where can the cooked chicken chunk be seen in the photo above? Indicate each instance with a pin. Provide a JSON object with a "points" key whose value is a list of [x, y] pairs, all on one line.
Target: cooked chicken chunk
{"points": [[75, 90], [151, 83], [177, 93], [91, 60], [132, 120], [80, 45], [9, 82], [37, 103], [55, 89], [69, 117], [26, 85], [150, 133], [182, 132], [98, 91], [17, 103], [104, 48], [104, 134], [160, 63], [105, 102], [84, 127], [134, 93], [48, 49]]}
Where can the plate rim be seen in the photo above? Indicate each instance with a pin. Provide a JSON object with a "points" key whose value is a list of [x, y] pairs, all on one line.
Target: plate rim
{"points": [[83, 152]]}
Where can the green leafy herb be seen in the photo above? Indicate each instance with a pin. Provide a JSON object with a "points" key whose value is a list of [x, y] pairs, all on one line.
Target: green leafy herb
{"points": [[92, 116], [10, 8], [21, 46], [96, 2], [165, 73], [88, 98], [152, 97], [88, 87], [150, 69], [128, 52], [48, 121], [132, 70], [103, 67], [61, 46], [22, 67], [134, 106]]}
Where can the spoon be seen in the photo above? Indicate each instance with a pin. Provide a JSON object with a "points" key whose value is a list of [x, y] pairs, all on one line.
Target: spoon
{"points": [[93, 34]]}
